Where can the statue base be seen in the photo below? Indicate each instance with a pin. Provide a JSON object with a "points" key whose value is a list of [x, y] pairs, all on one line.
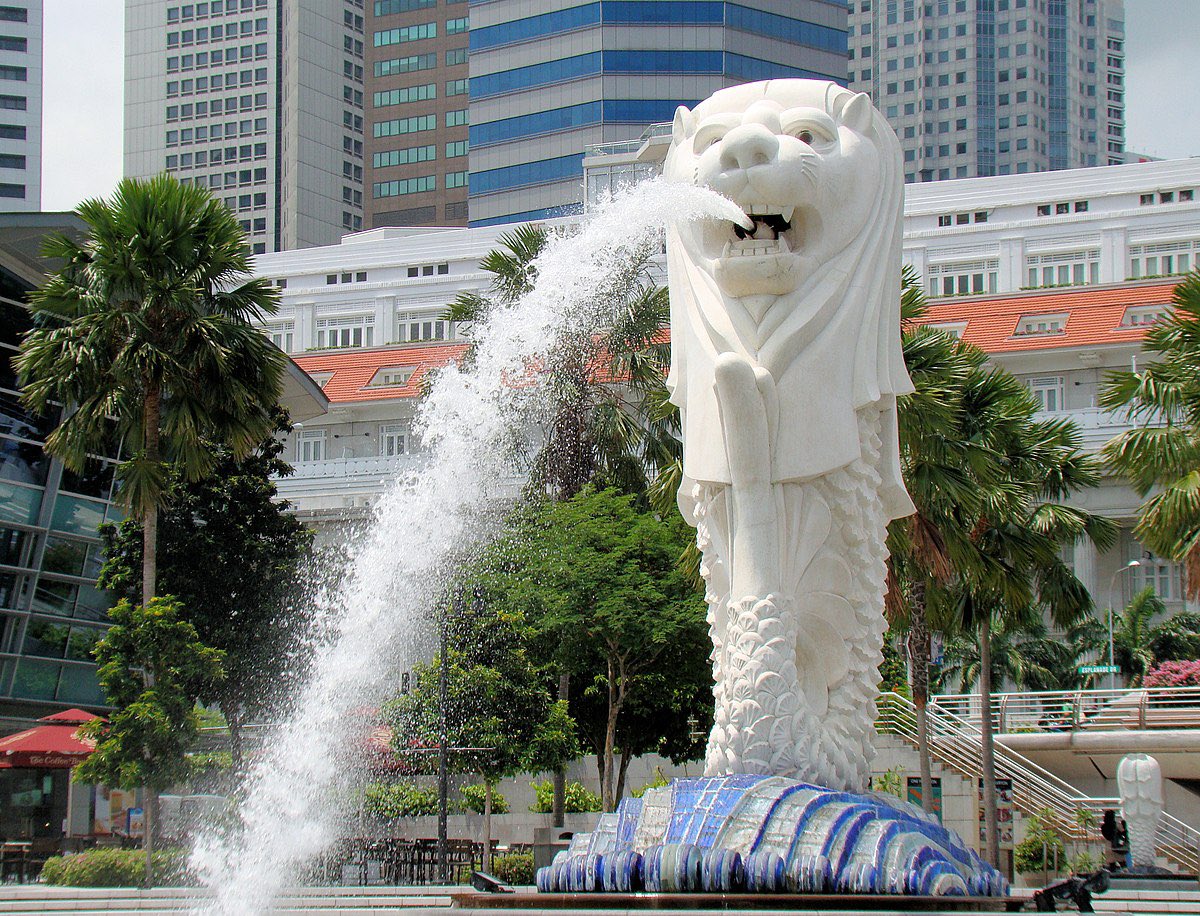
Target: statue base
{"points": [[771, 835]]}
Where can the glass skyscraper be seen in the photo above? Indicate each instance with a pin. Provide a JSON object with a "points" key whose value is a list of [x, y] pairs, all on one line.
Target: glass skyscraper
{"points": [[51, 612], [994, 87], [545, 85]]}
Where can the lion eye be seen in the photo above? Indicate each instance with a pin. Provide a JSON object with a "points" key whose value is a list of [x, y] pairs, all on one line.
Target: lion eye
{"points": [[806, 136]]}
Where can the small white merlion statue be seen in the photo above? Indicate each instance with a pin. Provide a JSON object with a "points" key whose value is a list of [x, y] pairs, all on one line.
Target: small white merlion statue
{"points": [[1139, 780]]}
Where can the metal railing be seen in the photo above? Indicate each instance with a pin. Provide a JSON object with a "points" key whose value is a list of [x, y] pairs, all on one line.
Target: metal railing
{"points": [[957, 744], [1081, 710]]}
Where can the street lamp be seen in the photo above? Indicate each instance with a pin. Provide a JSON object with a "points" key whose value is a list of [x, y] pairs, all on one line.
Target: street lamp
{"points": [[1112, 586]]}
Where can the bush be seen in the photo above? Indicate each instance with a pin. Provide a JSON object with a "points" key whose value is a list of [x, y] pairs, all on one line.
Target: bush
{"points": [[399, 799], [659, 780], [514, 868], [473, 797], [578, 799], [1042, 847], [1085, 863], [1173, 674], [113, 868]]}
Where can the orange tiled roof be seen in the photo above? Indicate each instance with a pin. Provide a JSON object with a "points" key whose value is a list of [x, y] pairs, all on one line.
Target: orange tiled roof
{"points": [[1094, 316], [352, 370]]}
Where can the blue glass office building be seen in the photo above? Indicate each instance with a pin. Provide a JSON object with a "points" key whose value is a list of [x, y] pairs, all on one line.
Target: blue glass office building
{"points": [[51, 612], [549, 79]]}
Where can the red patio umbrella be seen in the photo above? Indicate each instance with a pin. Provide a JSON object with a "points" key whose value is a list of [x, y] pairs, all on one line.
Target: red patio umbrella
{"points": [[53, 745]]}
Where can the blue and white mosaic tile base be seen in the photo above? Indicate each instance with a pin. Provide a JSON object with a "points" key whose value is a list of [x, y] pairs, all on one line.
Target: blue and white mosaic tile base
{"points": [[768, 834]]}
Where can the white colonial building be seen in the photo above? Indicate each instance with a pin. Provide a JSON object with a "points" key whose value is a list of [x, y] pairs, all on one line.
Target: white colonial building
{"points": [[1057, 275]]}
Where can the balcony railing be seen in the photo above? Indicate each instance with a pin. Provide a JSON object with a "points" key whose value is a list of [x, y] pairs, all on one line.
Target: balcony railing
{"points": [[1082, 710], [1096, 425], [373, 466]]}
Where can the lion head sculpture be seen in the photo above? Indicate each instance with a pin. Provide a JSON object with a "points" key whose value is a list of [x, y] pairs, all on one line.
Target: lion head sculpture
{"points": [[807, 288]]}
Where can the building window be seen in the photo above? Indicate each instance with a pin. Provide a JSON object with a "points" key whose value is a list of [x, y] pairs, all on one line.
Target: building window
{"points": [[1163, 259], [457, 118], [457, 179], [403, 186], [393, 440], [456, 149], [1075, 268], [1161, 575], [1140, 316], [394, 377], [420, 93], [1048, 391], [457, 26], [282, 334], [310, 445], [349, 331], [966, 278], [415, 328], [1041, 324]]}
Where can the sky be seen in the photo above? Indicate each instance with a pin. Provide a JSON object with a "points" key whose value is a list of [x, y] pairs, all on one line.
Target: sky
{"points": [[84, 71]]}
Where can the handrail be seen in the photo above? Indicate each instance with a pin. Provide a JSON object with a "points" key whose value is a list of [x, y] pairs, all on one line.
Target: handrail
{"points": [[1082, 710], [957, 744]]}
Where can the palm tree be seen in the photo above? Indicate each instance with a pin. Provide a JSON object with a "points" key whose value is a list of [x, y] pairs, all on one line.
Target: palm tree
{"points": [[940, 468], [1025, 653], [1162, 453], [1017, 572], [145, 336], [1139, 643], [617, 433]]}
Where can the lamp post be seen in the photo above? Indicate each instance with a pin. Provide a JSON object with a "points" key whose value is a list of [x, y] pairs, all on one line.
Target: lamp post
{"points": [[1112, 587]]}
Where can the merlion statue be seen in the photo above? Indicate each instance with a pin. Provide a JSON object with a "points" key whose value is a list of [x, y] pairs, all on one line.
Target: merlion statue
{"points": [[786, 366], [1139, 781]]}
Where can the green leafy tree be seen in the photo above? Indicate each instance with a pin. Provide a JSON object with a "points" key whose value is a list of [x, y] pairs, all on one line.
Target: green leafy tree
{"points": [[596, 578], [496, 701], [146, 335], [232, 554], [1160, 456], [153, 668]]}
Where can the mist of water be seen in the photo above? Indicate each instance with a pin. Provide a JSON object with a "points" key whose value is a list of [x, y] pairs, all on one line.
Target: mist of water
{"points": [[374, 619]]}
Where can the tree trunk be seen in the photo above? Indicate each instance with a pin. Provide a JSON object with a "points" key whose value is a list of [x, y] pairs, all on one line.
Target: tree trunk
{"points": [[558, 807], [149, 796], [487, 825], [234, 722], [919, 648], [990, 823], [151, 418], [625, 758], [607, 788]]}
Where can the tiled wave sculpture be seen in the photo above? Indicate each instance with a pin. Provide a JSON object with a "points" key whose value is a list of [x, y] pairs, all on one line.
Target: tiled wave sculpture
{"points": [[768, 834]]}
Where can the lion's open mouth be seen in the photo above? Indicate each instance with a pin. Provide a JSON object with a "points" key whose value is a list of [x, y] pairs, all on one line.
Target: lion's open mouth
{"points": [[767, 237]]}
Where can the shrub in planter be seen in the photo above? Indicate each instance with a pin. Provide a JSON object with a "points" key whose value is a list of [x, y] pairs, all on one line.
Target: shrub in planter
{"points": [[473, 798], [399, 799], [1042, 847], [514, 868], [113, 868], [578, 799]]}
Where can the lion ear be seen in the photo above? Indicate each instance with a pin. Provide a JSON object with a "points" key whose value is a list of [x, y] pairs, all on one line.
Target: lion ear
{"points": [[855, 112], [684, 124]]}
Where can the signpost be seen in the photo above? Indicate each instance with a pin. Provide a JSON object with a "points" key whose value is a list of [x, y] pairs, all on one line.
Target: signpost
{"points": [[1099, 669]]}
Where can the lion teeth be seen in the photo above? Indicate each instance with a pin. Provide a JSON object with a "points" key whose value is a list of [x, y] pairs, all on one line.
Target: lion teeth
{"points": [[787, 213]]}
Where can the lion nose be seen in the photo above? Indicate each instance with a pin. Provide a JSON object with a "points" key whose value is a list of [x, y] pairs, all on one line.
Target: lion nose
{"points": [[747, 146]]}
